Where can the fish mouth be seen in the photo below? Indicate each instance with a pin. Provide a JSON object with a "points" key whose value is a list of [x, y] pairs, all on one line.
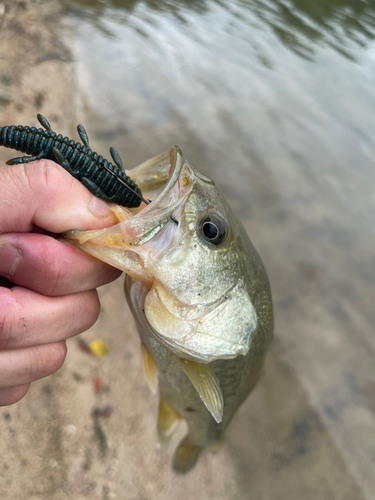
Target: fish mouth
{"points": [[164, 182], [157, 176]]}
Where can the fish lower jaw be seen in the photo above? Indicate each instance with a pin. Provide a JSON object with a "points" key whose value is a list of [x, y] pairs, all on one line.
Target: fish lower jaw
{"points": [[144, 279]]}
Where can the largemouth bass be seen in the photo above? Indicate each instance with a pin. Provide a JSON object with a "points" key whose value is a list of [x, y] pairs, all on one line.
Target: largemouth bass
{"points": [[200, 296]]}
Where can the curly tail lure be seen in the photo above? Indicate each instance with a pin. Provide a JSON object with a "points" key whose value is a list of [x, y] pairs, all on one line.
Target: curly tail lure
{"points": [[102, 178]]}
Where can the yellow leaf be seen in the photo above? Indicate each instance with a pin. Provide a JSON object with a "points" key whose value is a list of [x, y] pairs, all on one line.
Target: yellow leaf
{"points": [[99, 348]]}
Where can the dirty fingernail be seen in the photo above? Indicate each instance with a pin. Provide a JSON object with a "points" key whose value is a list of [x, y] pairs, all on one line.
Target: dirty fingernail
{"points": [[10, 260], [99, 208]]}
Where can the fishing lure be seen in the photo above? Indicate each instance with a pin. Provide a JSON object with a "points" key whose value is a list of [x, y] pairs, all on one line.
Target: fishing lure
{"points": [[101, 177]]}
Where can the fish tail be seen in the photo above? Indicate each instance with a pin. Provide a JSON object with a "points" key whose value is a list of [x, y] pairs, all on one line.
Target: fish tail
{"points": [[186, 456]]}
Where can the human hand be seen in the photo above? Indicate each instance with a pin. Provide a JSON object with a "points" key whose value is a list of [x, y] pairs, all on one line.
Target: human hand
{"points": [[55, 296]]}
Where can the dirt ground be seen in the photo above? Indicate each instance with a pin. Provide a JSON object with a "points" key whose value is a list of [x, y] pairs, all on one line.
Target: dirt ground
{"points": [[52, 446]]}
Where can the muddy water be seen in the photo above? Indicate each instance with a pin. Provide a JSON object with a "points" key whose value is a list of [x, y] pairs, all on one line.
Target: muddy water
{"points": [[275, 101]]}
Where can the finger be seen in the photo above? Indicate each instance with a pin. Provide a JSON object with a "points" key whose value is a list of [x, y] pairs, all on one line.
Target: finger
{"points": [[45, 194], [11, 395], [29, 319], [23, 366], [49, 266]]}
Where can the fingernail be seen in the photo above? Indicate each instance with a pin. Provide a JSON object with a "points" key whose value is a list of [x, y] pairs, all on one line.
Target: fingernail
{"points": [[10, 260], [99, 208]]}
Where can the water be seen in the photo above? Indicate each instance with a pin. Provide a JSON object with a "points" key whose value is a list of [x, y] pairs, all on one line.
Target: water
{"points": [[275, 101], [271, 83]]}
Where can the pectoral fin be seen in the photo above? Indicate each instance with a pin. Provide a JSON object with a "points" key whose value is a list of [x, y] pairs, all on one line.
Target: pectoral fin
{"points": [[207, 385], [168, 421], [149, 368]]}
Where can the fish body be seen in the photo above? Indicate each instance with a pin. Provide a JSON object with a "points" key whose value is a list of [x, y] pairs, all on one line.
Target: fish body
{"points": [[199, 293]]}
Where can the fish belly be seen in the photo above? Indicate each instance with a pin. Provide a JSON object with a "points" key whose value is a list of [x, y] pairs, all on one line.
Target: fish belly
{"points": [[237, 378]]}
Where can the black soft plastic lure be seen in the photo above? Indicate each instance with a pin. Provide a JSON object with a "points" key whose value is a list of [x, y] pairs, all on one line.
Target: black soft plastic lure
{"points": [[102, 178]]}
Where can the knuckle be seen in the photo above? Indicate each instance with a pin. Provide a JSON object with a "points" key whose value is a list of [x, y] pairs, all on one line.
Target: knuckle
{"points": [[48, 172], [50, 263], [46, 176]]}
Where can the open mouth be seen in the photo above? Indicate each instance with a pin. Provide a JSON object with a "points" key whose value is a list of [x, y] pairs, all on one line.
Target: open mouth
{"points": [[161, 180], [166, 181]]}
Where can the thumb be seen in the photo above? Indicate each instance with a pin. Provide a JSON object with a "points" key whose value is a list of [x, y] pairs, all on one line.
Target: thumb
{"points": [[44, 194]]}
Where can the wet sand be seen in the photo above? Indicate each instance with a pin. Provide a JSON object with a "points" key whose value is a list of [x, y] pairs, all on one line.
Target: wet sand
{"points": [[303, 433]]}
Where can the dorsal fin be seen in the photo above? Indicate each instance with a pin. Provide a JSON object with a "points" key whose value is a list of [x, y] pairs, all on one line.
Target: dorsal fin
{"points": [[207, 386]]}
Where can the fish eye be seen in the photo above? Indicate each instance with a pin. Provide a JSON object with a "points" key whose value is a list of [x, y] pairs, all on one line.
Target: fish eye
{"points": [[213, 229]]}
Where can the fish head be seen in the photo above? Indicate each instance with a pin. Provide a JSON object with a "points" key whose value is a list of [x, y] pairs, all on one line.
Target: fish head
{"points": [[198, 269]]}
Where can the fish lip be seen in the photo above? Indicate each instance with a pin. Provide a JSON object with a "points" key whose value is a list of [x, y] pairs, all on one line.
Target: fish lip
{"points": [[177, 162], [171, 193]]}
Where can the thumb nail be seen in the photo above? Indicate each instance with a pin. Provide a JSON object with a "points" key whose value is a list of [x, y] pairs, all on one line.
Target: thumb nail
{"points": [[10, 260], [99, 208]]}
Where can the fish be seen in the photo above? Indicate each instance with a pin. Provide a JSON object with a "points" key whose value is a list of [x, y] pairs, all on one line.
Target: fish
{"points": [[200, 296]]}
